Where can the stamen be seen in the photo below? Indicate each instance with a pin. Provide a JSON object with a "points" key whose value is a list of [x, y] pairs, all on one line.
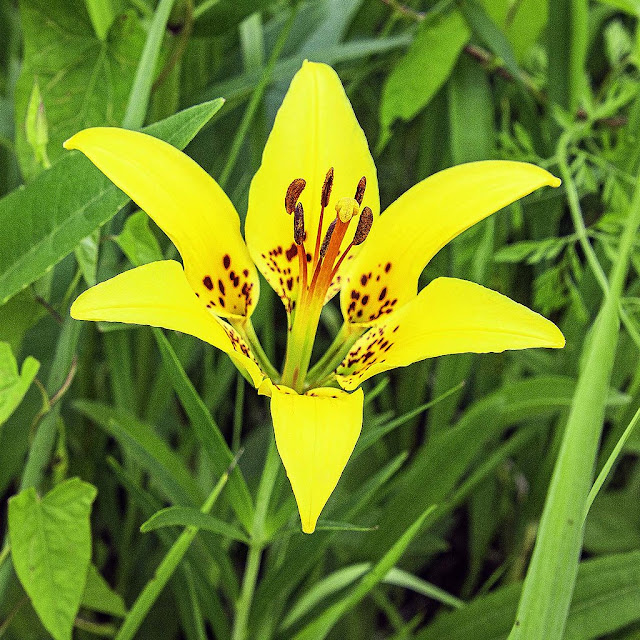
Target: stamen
{"points": [[293, 193], [326, 188], [327, 238], [364, 226], [298, 224], [362, 185], [324, 201]]}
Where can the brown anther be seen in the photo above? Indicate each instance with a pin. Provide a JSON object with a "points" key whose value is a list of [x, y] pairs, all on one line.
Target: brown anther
{"points": [[326, 188], [327, 238], [298, 224], [293, 193], [364, 226], [362, 185]]}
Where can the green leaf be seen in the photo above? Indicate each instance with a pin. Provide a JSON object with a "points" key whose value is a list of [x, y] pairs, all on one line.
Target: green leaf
{"points": [[605, 600], [484, 27], [84, 80], [322, 625], [44, 221], [207, 432], [214, 18], [137, 240], [422, 71], [51, 549], [187, 517], [151, 452], [99, 596], [346, 576], [14, 385]]}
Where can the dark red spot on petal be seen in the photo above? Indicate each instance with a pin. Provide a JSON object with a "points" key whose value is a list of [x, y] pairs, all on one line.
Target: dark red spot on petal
{"points": [[221, 286], [387, 267], [221, 301], [291, 252], [383, 294], [207, 282], [226, 261], [363, 280]]}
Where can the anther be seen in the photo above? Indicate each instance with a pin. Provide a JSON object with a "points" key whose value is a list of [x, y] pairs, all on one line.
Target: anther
{"points": [[362, 185], [298, 224], [364, 226], [293, 193], [326, 188], [327, 238], [346, 208]]}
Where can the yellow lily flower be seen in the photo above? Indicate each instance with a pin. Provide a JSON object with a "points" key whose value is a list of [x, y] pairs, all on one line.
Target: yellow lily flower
{"points": [[312, 229]]}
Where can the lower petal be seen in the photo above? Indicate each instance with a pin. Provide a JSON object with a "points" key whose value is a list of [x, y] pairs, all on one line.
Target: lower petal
{"points": [[315, 434], [448, 316], [158, 294]]}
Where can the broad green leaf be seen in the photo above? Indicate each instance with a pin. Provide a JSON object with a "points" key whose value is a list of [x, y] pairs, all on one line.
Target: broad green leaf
{"points": [[188, 517], [150, 451], [422, 71], [99, 596], [51, 549], [605, 600], [84, 80], [137, 240], [44, 221], [14, 385]]}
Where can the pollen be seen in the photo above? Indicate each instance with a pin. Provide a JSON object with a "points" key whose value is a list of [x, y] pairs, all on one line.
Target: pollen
{"points": [[347, 208]]}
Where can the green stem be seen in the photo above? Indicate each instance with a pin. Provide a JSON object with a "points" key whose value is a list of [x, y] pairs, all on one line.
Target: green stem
{"points": [[300, 344], [336, 353], [141, 90], [252, 107], [548, 587], [258, 541], [165, 570], [574, 203], [247, 331]]}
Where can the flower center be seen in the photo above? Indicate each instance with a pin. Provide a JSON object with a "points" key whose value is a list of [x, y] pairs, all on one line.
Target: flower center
{"points": [[316, 277]]}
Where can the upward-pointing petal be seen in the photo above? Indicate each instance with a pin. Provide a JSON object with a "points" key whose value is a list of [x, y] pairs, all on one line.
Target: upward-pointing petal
{"points": [[417, 225], [315, 434], [187, 204], [315, 129]]}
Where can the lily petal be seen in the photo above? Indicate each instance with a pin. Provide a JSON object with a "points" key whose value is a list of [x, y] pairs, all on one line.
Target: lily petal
{"points": [[187, 204], [447, 316], [315, 435], [158, 294], [416, 226], [315, 129]]}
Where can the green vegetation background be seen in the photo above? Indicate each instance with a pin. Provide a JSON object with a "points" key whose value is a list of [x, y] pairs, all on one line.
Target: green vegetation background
{"points": [[431, 530]]}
